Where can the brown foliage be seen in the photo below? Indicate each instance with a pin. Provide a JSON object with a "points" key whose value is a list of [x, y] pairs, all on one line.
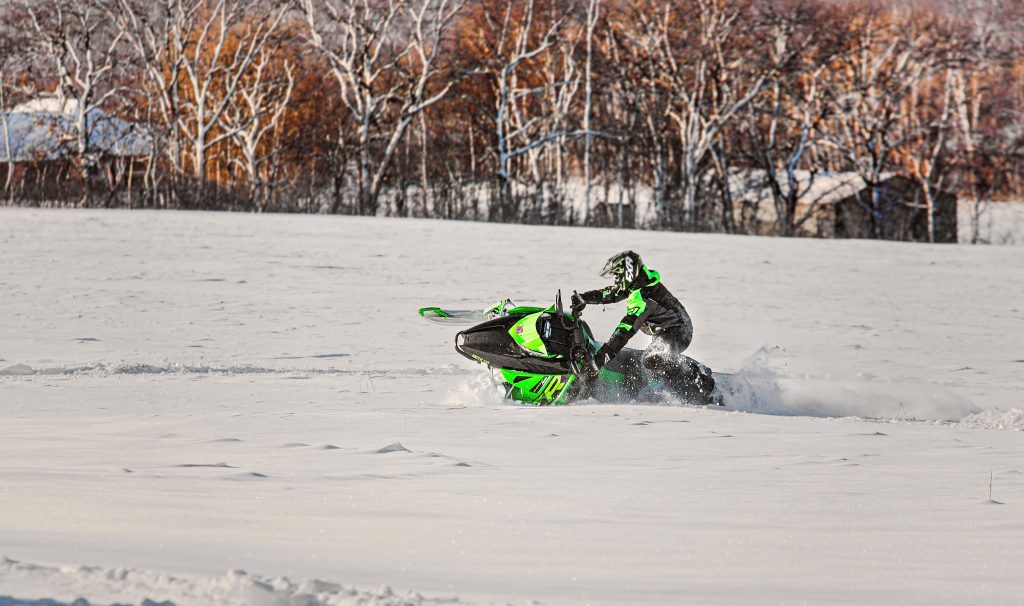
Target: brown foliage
{"points": [[926, 89]]}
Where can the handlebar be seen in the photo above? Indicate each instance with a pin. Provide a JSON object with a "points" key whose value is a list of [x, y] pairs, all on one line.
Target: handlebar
{"points": [[580, 354]]}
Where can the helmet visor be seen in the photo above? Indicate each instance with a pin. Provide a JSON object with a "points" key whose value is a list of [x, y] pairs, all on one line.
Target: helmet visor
{"points": [[613, 268], [623, 267]]}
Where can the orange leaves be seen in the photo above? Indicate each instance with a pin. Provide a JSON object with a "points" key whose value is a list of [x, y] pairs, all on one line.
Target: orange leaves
{"points": [[238, 91]]}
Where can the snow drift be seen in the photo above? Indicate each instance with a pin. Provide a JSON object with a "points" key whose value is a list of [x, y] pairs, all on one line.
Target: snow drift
{"points": [[235, 588]]}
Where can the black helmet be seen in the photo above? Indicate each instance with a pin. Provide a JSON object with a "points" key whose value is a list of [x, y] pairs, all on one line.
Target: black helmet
{"points": [[624, 268]]}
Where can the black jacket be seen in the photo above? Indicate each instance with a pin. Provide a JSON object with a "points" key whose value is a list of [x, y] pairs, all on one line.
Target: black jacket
{"points": [[649, 307]]}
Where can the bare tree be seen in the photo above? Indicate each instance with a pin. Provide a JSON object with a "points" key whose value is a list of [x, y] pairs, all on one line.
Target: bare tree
{"points": [[213, 73], [786, 123], [5, 125], [76, 37], [931, 132], [347, 101], [516, 132], [17, 58], [593, 15], [889, 59], [254, 113], [159, 32], [711, 84], [637, 38], [630, 98], [561, 78], [382, 54], [634, 42], [7, 57], [994, 42]]}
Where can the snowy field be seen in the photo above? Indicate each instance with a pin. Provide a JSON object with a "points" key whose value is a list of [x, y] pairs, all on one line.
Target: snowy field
{"points": [[237, 409]]}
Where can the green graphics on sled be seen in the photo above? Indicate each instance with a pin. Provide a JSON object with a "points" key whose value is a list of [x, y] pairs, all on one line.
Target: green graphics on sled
{"points": [[544, 356]]}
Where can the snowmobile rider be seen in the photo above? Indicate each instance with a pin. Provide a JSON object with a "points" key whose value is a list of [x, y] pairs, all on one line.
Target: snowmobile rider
{"points": [[650, 307]]}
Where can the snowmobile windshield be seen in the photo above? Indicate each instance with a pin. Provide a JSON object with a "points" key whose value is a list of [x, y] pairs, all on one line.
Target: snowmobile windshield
{"points": [[530, 332]]}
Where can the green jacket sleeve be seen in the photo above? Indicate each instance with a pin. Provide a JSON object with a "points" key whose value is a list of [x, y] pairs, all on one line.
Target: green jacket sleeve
{"points": [[604, 296], [636, 314]]}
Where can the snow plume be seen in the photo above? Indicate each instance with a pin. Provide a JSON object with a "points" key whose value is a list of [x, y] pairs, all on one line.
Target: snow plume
{"points": [[770, 383], [477, 390], [95, 585], [756, 385]]}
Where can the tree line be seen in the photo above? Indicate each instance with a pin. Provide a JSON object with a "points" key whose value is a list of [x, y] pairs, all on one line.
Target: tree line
{"points": [[580, 112]]}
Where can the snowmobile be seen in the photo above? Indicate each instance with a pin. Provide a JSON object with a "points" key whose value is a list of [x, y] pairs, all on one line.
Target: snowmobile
{"points": [[545, 356]]}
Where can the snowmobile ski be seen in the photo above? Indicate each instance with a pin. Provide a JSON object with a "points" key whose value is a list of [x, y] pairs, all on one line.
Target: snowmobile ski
{"points": [[466, 316]]}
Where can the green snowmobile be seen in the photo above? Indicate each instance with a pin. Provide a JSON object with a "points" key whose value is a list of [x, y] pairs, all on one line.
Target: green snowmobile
{"points": [[544, 356]]}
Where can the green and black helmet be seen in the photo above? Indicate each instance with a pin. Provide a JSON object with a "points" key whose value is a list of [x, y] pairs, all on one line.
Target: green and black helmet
{"points": [[623, 268]]}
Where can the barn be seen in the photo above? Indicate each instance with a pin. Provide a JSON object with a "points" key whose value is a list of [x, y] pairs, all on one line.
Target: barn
{"points": [[844, 205], [39, 158], [895, 209]]}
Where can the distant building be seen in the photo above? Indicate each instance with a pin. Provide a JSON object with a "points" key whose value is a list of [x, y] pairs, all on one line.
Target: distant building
{"points": [[843, 205], [38, 144], [895, 209], [45, 130], [613, 215]]}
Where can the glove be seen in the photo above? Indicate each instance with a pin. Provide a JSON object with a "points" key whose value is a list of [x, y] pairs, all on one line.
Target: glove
{"points": [[577, 304]]}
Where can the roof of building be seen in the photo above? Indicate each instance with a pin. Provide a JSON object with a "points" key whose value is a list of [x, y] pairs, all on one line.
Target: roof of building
{"points": [[812, 188], [45, 129]]}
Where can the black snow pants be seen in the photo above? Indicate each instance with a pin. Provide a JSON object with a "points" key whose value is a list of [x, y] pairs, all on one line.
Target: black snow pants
{"points": [[665, 360]]}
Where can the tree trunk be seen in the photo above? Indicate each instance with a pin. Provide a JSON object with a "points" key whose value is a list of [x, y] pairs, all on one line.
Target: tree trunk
{"points": [[364, 169]]}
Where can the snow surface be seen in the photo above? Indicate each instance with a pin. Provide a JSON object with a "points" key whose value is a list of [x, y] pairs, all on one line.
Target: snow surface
{"points": [[186, 396]]}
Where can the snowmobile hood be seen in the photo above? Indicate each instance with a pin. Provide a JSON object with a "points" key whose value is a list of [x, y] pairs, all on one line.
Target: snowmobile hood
{"points": [[526, 332]]}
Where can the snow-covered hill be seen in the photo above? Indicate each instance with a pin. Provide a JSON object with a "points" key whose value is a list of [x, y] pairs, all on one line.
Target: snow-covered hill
{"points": [[187, 395]]}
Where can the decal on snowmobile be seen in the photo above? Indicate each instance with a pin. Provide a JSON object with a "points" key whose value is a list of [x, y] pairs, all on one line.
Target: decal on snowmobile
{"points": [[556, 385], [539, 389]]}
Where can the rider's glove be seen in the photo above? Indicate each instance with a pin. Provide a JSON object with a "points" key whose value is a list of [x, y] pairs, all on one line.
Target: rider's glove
{"points": [[577, 304]]}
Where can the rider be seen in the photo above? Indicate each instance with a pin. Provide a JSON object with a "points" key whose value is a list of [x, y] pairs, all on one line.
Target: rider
{"points": [[650, 307]]}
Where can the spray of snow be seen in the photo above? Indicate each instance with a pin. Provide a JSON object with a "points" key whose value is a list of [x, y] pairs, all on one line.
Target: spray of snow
{"points": [[110, 585], [771, 383], [755, 387], [478, 389]]}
